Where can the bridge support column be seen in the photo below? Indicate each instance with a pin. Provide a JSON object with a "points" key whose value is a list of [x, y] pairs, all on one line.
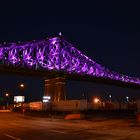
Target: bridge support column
{"points": [[55, 88]]}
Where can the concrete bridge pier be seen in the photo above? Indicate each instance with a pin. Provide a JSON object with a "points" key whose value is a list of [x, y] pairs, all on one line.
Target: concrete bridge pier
{"points": [[55, 87]]}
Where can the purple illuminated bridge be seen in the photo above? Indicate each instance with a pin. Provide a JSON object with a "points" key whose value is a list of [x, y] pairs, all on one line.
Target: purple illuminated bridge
{"points": [[55, 56]]}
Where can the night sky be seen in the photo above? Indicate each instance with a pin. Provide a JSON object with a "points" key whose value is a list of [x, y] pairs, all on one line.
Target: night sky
{"points": [[106, 31]]}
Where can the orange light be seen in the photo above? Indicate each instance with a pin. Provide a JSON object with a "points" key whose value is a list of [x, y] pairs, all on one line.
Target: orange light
{"points": [[96, 100]]}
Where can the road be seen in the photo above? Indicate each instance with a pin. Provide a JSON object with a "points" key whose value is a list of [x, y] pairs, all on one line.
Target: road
{"points": [[18, 127]]}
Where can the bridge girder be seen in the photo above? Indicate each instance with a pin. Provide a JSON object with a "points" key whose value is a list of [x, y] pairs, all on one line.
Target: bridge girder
{"points": [[57, 56]]}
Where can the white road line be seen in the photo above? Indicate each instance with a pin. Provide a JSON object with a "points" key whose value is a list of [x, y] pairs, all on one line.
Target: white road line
{"points": [[59, 132], [14, 138]]}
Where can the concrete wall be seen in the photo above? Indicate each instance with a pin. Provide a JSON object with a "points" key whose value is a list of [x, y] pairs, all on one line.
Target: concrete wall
{"points": [[81, 105], [70, 105], [113, 106]]}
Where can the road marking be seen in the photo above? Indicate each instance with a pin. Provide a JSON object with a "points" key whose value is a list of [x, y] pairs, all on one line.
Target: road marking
{"points": [[62, 132], [14, 138], [14, 124], [19, 125]]}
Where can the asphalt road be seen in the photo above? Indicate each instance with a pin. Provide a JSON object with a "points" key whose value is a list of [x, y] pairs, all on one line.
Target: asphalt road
{"points": [[18, 127]]}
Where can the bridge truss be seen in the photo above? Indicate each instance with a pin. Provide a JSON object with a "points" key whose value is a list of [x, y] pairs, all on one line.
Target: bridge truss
{"points": [[57, 54]]}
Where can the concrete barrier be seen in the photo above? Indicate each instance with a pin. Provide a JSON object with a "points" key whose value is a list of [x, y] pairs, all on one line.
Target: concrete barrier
{"points": [[5, 111], [73, 117]]}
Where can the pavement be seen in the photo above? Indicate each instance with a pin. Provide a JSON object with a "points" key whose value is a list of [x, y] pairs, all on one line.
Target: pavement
{"points": [[20, 127]]}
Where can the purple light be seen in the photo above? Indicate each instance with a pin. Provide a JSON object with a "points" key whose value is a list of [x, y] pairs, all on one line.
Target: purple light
{"points": [[56, 54]]}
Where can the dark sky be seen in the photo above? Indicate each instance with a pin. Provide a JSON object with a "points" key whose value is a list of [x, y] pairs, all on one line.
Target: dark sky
{"points": [[106, 31]]}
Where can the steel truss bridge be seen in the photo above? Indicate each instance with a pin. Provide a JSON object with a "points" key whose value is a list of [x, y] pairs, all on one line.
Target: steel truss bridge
{"points": [[56, 57]]}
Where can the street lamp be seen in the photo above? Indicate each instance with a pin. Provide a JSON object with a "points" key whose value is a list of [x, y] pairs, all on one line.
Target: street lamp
{"points": [[21, 88], [6, 94], [22, 85], [110, 98], [7, 100], [127, 98], [96, 100]]}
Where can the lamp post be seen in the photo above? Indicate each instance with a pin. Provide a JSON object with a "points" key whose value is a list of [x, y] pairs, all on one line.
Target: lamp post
{"points": [[22, 85], [127, 98], [96, 100], [110, 98], [7, 95]]}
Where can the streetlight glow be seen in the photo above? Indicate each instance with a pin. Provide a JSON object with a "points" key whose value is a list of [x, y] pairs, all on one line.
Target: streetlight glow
{"points": [[96, 100], [127, 98], [110, 98], [21, 85], [6, 94]]}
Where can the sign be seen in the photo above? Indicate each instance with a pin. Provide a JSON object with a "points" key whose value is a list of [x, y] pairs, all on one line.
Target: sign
{"points": [[19, 99], [46, 99]]}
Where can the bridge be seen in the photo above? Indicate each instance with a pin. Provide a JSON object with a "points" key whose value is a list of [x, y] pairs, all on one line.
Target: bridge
{"points": [[56, 59]]}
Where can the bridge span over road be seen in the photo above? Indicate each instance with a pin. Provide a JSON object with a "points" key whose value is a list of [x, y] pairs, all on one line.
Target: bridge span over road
{"points": [[56, 60]]}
